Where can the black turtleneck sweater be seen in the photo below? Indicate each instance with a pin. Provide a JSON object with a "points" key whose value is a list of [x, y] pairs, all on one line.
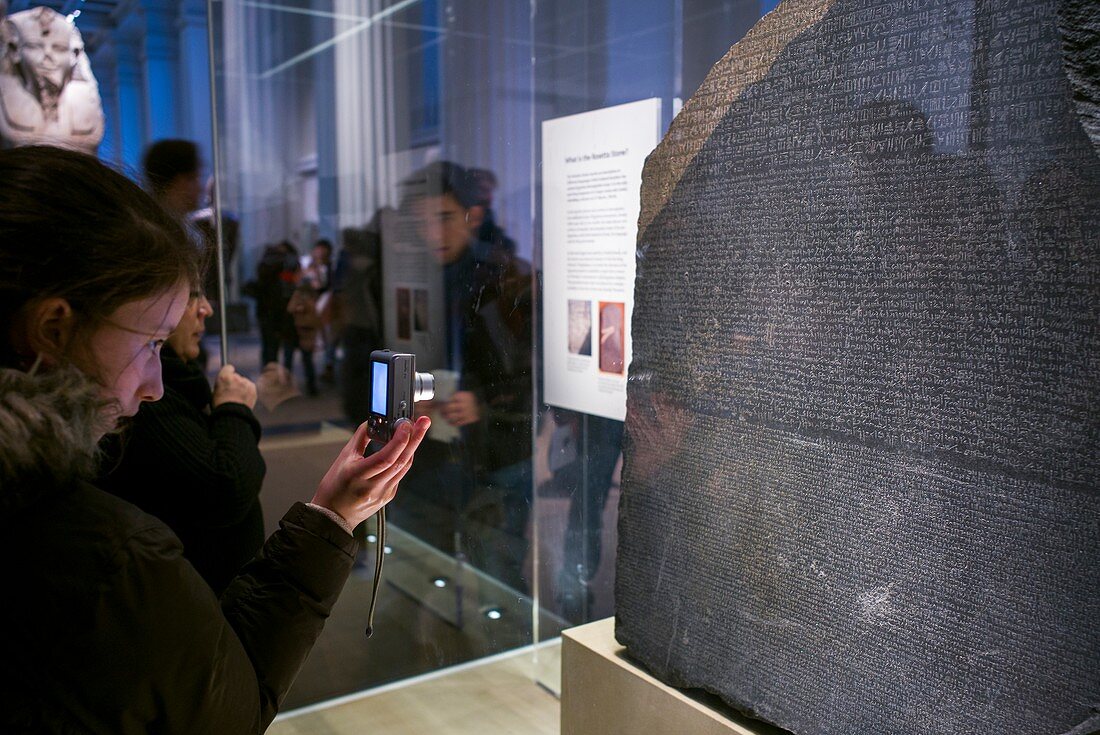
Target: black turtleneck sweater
{"points": [[197, 469]]}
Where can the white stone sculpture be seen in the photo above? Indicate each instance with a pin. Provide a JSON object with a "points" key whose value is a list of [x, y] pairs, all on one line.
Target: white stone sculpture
{"points": [[48, 94]]}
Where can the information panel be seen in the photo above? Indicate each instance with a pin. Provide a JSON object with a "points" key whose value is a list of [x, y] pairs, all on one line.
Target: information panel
{"points": [[413, 284], [592, 172]]}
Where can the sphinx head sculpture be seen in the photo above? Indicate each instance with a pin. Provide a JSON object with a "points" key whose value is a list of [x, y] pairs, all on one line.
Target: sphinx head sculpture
{"points": [[44, 49], [47, 91]]}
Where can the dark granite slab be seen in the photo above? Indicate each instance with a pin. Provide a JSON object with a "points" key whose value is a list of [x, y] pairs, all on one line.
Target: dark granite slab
{"points": [[861, 490]]}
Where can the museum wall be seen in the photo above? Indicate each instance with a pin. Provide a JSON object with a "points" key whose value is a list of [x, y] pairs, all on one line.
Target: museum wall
{"points": [[150, 59], [264, 153]]}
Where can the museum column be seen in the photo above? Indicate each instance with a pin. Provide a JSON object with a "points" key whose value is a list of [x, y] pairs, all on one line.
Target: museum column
{"points": [[106, 73], [129, 104], [160, 59], [194, 76], [324, 100], [364, 98], [268, 134]]}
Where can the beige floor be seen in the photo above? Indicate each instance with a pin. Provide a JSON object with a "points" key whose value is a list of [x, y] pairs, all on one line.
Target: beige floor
{"points": [[494, 698]]}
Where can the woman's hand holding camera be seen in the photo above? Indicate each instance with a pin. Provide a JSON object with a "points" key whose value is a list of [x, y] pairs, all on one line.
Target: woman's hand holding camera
{"points": [[356, 487]]}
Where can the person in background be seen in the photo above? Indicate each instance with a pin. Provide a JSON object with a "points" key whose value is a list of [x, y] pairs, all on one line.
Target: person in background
{"points": [[115, 631], [321, 277], [493, 243], [319, 271], [487, 334], [289, 276], [173, 174], [201, 446], [272, 296], [204, 222], [302, 308], [357, 295]]}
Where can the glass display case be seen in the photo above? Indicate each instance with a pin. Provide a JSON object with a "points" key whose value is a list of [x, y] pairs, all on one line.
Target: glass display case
{"points": [[458, 180]]}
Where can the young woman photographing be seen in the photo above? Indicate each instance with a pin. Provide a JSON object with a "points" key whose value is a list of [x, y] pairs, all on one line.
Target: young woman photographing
{"points": [[107, 628]]}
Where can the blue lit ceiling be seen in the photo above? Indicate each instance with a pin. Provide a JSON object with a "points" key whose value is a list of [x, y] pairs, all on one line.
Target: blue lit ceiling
{"points": [[92, 17]]}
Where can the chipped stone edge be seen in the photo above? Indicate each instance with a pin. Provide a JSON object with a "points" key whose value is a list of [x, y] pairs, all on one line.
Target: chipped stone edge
{"points": [[706, 108]]}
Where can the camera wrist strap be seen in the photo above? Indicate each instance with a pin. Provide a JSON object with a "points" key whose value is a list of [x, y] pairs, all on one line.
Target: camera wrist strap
{"points": [[379, 557]]}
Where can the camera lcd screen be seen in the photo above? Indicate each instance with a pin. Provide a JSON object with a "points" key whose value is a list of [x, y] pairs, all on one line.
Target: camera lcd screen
{"points": [[380, 372]]}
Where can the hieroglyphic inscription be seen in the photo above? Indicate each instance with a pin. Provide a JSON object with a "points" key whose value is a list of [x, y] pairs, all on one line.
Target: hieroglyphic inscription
{"points": [[871, 298]]}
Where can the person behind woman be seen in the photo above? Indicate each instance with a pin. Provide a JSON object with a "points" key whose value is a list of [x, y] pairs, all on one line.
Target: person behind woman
{"points": [[108, 629], [307, 327], [202, 448], [271, 296]]}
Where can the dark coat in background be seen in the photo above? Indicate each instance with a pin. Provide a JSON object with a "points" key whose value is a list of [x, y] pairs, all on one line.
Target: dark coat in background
{"points": [[198, 470], [497, 361], [108, 629], [272, 288]]}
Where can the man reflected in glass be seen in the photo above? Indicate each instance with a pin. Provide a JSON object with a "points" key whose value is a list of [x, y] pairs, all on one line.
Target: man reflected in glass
{"points": [[486, 338]]}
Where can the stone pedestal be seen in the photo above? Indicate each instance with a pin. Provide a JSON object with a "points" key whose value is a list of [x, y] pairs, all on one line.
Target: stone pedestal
{"points": [[603, 693]]}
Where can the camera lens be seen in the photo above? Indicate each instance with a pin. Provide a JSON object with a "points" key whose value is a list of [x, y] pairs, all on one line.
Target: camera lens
{"points": [[423, 387]]}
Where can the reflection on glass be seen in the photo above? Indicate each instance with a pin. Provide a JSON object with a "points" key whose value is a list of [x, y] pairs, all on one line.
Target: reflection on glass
{"points": [[481, 352], [381, 167]]}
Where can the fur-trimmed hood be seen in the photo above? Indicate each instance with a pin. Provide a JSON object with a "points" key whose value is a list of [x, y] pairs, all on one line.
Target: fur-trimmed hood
{"points": [[49, 428]]}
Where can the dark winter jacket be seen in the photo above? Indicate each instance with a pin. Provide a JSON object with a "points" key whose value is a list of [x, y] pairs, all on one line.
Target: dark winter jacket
{"points": [[492, 313], [273, 285], [107, 628], [198, 470]]}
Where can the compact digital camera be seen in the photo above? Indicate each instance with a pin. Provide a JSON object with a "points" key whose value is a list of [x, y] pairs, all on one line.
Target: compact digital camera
{"points": [[394, 387]]}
